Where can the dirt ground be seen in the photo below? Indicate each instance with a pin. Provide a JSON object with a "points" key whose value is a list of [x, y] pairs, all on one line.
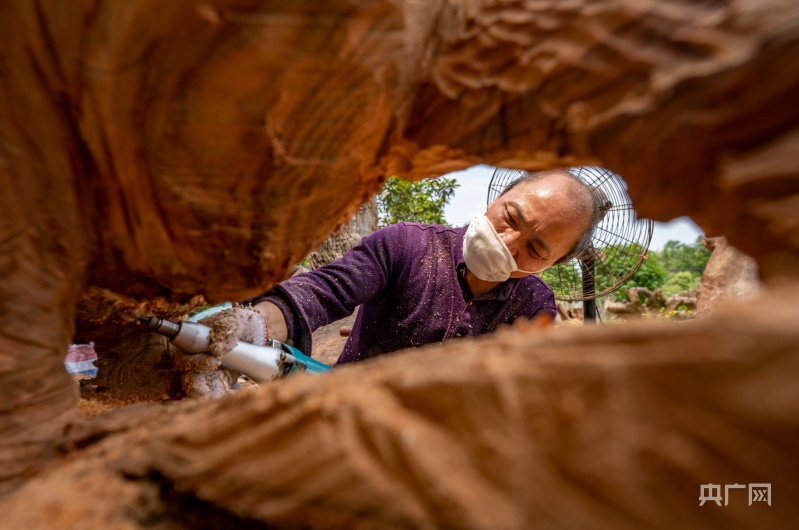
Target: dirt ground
{"points": [[328, 342]]}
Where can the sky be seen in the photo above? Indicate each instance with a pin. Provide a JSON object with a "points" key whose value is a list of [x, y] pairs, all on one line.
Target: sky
{"points": [[470, 201]]}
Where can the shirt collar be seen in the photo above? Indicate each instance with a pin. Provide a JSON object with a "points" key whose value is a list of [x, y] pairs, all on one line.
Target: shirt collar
{"points": [[459, 244]]}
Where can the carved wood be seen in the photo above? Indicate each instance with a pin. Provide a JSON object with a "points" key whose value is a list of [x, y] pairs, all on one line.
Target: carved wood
{"points": [[169, 150], [601, 427]]}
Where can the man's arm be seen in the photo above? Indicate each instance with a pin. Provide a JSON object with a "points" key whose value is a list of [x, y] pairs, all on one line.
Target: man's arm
{"points": [[334, 291]]}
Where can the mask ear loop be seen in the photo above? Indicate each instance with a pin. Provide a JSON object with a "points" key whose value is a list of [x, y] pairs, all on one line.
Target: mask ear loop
{"points": [[494, 230], [531, 272]]}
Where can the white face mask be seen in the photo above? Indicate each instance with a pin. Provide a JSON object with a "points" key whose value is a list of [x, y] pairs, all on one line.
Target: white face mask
{"points": [[485, 254]]}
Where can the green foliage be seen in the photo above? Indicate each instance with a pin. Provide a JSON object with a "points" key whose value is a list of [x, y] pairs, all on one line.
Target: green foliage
{"points": [[684, 264], [678, 282], [416, 202], [564, 279], [651, 275], [674, 269], [677, 256]]}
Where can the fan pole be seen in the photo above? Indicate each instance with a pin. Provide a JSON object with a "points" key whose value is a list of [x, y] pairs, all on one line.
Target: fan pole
{"points": [[589, 289]]}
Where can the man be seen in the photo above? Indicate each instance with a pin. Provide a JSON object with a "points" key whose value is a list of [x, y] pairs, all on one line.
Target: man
{"points": [[419, 284]]}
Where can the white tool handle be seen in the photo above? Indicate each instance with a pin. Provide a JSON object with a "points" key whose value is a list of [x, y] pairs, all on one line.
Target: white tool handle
{"points": [[259, 363]]}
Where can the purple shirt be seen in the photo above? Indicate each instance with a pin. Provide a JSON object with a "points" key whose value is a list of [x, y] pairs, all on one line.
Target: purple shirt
{"points": [[410, 280]]}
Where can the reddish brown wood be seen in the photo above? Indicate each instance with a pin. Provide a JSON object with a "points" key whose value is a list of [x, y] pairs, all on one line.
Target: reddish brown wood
{"points": [[174, 149]]}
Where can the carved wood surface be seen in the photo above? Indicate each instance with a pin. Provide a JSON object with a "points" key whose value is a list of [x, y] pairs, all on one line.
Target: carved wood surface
{"points": [[182, 153], [603, 427], [686, 100], [178, 149]]}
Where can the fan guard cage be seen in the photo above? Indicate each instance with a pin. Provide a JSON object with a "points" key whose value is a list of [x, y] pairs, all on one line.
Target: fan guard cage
{"points": [[618, 245]]}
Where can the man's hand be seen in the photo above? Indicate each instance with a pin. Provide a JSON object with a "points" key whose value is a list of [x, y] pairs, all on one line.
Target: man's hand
{"points": [[203, 375], [235, 324], [274, 319]]}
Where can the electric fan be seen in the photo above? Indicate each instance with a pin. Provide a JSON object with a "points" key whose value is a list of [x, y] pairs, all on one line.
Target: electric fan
{"points": [[618, 244]]}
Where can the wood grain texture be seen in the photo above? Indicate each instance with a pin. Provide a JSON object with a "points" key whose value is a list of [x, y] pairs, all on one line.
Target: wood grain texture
{"points": [[192, 144], [603, 427], [167, 150], [197, 135], [691, 102], [134, 365]]}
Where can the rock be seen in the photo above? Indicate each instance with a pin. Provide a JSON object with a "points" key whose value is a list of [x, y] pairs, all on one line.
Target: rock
{"points": [[641, 302], [730, 277]]}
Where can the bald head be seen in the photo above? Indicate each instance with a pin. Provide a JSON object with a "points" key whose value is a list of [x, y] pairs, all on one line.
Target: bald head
{"points": [[578, 193]]}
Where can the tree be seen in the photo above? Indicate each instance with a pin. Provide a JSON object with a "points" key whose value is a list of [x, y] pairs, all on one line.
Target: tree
{"points": [[684, 264], [417, 202], [565, 280], [346, 237], [651, 275], [677, 267], [692, 257], [677, 282]]}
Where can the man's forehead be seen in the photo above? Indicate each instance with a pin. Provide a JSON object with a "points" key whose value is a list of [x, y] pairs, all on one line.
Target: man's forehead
{"points": [[562, 198], [545, 186]]}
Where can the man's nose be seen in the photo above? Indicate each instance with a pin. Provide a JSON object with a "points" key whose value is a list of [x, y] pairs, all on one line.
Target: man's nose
{"points": [[511, 239]]}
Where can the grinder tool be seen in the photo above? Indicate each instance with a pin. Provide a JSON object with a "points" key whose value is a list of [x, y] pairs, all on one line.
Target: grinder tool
{"points": [[259, 363]]}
